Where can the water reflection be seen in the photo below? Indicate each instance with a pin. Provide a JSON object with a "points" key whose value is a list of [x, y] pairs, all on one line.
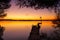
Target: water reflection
{"points": [[35, 35], [1, 32], [29, 30], [55, 35]]}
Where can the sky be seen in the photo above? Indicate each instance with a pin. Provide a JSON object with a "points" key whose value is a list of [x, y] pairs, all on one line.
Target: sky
{"points": [[14, 12]]}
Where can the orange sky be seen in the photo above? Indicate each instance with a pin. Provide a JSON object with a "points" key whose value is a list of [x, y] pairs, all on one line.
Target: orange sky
{"points": [[14, 12]]}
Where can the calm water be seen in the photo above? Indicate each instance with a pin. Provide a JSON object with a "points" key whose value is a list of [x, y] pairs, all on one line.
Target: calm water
{"points": [[20, 30]]}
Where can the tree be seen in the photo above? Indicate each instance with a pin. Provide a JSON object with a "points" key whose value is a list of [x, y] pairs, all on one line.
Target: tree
{"points": [[41, 4], [4, 4]]}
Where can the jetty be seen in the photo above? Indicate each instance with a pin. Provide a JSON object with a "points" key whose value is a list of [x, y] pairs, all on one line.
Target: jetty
{"points": [[34, 34]]}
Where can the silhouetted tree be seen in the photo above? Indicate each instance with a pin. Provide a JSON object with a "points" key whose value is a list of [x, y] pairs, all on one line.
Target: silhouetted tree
{"points": [[4, 4], [38, 3], [41, 4], [56, 33], [2, 14], [1, 32]]}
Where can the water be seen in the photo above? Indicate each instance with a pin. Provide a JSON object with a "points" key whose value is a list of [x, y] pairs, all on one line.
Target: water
{"points": [[20, 30]]}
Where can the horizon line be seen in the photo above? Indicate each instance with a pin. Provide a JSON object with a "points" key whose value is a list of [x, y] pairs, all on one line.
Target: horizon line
{"points": [[25, 20]]}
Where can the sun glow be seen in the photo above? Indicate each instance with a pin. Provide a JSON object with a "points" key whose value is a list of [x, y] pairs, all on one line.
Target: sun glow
{"points": [[30, 17], [29, 14]]}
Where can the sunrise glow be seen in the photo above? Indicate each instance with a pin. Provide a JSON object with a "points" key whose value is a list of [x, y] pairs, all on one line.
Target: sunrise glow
{"points": [[14, 12]]}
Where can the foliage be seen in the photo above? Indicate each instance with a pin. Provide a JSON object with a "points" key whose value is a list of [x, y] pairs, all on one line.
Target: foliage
{"points": [[38, 3], [4, 4]]}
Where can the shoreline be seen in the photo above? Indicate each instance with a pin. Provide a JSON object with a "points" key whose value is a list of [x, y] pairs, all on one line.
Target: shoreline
{"points": [[28, 20]]}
